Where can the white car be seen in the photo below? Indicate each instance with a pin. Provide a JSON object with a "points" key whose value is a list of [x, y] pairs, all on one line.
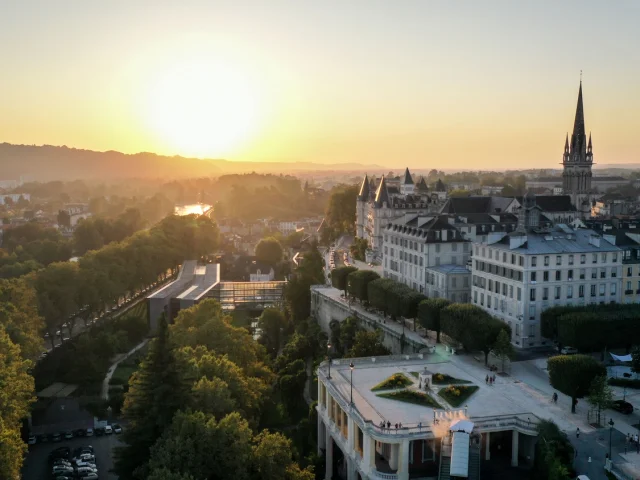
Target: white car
{"points": [[568, 351], [90, 476], [89, 432], [108, 430], [32, 440]]}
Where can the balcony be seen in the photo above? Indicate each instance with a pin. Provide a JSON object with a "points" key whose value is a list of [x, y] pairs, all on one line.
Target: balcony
{"points": [[629, 292]]}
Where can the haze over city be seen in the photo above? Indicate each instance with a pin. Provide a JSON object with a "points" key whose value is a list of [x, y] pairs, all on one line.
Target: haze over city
{"points": [[465, 85]]}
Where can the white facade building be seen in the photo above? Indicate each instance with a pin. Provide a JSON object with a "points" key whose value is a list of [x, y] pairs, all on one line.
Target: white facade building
{"points": [[517, 276]]}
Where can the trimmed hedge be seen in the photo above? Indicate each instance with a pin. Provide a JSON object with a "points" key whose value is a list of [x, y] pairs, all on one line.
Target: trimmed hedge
{"points": [[411, 396], [625, 382], [456, 395], [397, 380]]}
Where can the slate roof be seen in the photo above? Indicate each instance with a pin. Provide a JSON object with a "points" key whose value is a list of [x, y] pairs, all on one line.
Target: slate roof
{"points": [[553, 203], [364, 189], [382, 196], [407, 177]]}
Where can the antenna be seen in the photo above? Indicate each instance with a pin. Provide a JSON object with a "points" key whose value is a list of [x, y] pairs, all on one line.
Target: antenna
{"points": [[580, 76]]}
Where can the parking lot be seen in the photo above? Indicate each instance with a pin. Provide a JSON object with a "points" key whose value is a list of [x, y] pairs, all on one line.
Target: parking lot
{"points": [[36, 465]]}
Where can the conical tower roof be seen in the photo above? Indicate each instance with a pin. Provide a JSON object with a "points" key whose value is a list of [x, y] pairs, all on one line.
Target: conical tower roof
{"points": [[382, 196], [407, 177], [364, 192]]}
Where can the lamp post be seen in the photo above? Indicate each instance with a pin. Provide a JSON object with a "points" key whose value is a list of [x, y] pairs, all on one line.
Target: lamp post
{"points": [[610, 433], [329, 358], [351, 366]]}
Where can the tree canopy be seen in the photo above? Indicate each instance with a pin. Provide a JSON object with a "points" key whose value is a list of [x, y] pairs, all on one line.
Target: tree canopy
{"points": [[429, 314], [269, 250], [573, 374]]}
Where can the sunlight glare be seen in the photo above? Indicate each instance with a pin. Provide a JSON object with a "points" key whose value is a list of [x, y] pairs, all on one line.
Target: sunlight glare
{"points": [[203, 109]]}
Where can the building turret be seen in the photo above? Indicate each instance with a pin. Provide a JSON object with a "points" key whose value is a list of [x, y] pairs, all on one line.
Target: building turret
{"points": [[407, 186]]}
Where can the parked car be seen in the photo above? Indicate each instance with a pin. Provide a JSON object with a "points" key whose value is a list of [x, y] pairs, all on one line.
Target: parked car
{"points": [[90, 476], [99, 432], [56, 437], [89, 432], [32, 440], [568, 351], [42, 439], [108, 430], [60, 452], [68, 434], [81, 471], [117, 428], [61, 469], [80, 432], [622, 406]]}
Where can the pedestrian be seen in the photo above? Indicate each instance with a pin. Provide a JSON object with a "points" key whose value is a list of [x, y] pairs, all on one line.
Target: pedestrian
{"points": [[396, 426], [636, 438], [578, 432], [388, 425], [400, 424], [628, 438], [419, 426], [494, 378], [486, 379]]}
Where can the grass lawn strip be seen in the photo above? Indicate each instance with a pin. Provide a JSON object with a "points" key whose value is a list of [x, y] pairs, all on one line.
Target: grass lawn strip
{"points": [[397, 380], [456, 400], [411, 396]]}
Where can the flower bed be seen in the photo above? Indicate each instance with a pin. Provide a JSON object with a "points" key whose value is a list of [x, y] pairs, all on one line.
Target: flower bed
{"points": [[397, 380], [411, 396], [456, 395], [444, 379]]}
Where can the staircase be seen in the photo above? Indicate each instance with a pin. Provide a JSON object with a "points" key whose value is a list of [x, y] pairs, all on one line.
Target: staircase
{"points": [[474, 463], [445, 465]]}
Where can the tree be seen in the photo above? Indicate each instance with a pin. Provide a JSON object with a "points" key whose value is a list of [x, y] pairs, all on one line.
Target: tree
{"points": [[271, 323], [502, 348], [358, 248], [573, 374], [16, 395], [358, 281], [368, 344], [339, 277], [271, 459], [269, 250], [635, 360], [156, 391], [554, 453], [600, 394], [340, 216], [429, 314]]}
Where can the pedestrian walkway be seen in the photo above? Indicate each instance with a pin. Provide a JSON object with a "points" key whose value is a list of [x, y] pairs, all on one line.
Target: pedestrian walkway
{"points": [[104, 393]]}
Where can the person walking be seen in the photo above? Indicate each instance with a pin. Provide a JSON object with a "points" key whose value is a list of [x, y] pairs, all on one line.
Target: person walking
{"points": [[578, 432], [486, 379]]}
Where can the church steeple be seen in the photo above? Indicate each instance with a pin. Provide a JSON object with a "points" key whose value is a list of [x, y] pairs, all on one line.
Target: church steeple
{"points": [[579, 137]]}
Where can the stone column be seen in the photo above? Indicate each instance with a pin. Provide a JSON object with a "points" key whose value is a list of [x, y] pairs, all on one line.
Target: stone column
{"points": [[368, 453], [322, 434], [403, 463], [393, 457], [351, 469], [329, 458], [321, 401], [487, 446], [514, 448], [351, 441]]}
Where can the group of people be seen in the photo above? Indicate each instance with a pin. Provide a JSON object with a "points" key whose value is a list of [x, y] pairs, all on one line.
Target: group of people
{"points": [[387, 425], [490, 379]]}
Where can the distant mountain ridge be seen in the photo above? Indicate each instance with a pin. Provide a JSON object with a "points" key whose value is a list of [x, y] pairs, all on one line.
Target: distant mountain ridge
{"points": [[48, 162]]}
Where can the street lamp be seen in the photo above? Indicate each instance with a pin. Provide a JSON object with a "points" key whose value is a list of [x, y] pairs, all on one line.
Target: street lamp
{"points": [[329, 358], [610, 432], [351, 366]]}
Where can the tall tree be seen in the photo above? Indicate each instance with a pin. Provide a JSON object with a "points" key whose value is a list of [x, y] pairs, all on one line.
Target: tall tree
{"points": [[269, 250], [358, 281], [368, 344], [600, 395], [339, 277], [502, 348], [156, 391], [573, 374], [271, 322], [429, 314]]}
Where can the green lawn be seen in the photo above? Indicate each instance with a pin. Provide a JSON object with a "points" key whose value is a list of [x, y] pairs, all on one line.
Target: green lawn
{"points": [[397, 380], [415, 374], [411, 396], [455, 400], [444, 379]]}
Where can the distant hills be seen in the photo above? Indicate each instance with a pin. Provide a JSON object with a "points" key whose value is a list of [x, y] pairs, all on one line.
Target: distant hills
{"points": [[47, 162]]}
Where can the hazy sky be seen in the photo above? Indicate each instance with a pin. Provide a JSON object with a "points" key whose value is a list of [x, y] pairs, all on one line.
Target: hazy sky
{"points": [[444, 84]]}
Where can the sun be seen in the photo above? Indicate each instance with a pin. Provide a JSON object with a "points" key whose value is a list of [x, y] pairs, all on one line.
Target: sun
{"points": [[199, 108]]}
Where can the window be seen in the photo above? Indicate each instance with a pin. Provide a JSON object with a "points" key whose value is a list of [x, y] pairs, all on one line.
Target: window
{"points": [[532, 330], [545, 276], [604, 258], [613, 289], [545, 293], [628, 287], [583, 272], [602, 289], [533, 276], [594, 273], [603, 273], [569, 275], [490, 285], [497, 287], [465, 281], [557, 295], [534, 261], [521, 260], [570, 259], [558, 275], [546, 260], [428, 450], [581, 291], [615, 257], [593, 290], [504, 289], [583, 259], [475, 296], [454, 282], [532, 294], [488, 301], [504, 257], [532, 312], [558, 260], [454, 247], [519, 294], [437, 248], [594, 258], [629, 271], [513, 259], [511, 291], [569, 291]]}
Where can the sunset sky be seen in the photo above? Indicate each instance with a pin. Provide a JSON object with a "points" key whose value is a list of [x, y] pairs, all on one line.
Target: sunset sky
{"points": [[428, 84]]}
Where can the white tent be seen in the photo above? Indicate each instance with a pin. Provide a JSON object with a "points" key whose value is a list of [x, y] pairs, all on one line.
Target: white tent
{"points": [[621, 358], [460, 454]]}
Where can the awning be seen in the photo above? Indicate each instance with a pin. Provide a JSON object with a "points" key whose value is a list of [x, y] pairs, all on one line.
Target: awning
{"points": [[461, 426], [621, 358]]}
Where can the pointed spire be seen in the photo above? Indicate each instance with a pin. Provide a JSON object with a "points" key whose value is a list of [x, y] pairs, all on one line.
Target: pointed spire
{"points": [[578, 138], [590, 146], [407, 177], [566, 144], [382, 196], [364, 189]]}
